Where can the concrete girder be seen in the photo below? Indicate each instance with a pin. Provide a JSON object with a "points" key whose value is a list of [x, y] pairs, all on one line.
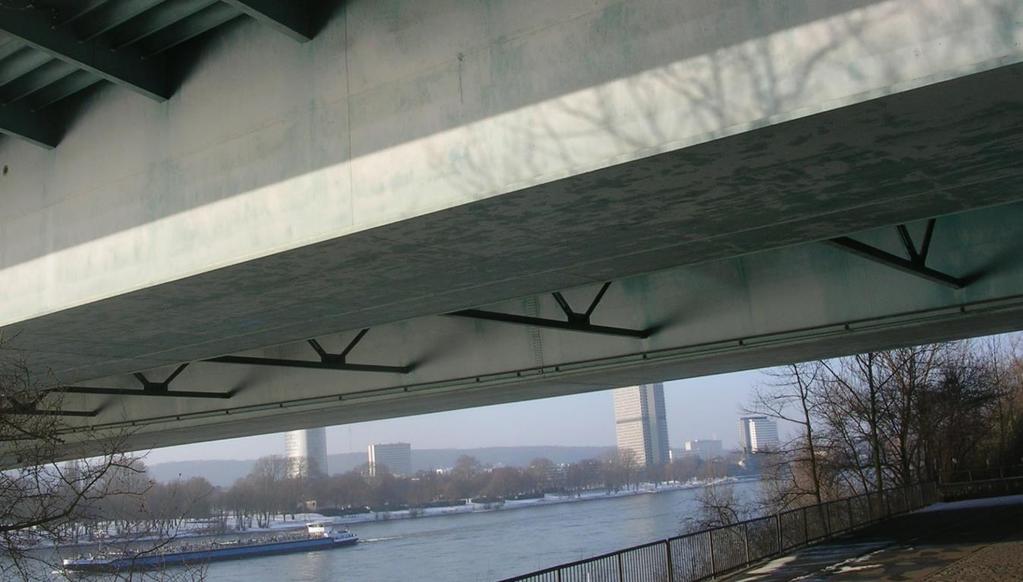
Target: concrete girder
{"points": [[704, 203], [20, 121], [771, 308], [438, 159], [146, 77], [291, 18]]}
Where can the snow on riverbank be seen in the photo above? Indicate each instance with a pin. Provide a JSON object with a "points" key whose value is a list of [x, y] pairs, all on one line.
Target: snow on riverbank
{"points": [[549, 499], [299, 520]]}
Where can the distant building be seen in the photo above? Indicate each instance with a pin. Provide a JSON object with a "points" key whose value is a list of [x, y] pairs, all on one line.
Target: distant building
{"points": [[758, 434], [306, 451], [679, 454], [641, 424], [705, 448], [395, 458]]}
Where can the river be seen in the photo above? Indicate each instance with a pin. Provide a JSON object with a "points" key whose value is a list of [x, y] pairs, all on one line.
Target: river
{"points": [[480, 546]]}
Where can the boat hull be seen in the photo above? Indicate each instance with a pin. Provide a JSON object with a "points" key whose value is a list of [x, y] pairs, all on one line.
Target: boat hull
{"points": [[199, 557]]}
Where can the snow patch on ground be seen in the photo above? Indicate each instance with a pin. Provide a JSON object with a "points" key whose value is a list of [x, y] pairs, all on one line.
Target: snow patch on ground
{"points": [[974, 503]]}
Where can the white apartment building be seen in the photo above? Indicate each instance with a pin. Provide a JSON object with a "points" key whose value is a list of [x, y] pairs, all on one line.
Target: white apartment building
{"points": [[758, 434], [395, 458]]}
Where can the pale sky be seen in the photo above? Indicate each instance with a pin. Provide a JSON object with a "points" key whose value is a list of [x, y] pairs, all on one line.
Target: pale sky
{"points": [[706, 407]]}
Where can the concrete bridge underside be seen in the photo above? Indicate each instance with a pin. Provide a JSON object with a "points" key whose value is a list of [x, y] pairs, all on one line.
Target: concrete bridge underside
{"points": [[464, 179]]}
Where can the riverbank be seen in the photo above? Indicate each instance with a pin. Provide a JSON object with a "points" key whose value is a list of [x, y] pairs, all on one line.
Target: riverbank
{"points": [[299, 520], [548, 499]]}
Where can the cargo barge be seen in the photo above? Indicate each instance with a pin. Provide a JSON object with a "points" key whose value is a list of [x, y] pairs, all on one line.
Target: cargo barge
{"points": [[316, 537]]}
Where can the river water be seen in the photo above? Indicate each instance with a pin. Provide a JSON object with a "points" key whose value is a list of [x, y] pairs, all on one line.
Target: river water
{"points": [[481, 546]]}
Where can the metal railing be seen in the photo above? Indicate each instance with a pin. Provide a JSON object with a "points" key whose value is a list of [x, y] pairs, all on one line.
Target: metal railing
{"points": [[982, 488], [985, 474], [709, 553]]}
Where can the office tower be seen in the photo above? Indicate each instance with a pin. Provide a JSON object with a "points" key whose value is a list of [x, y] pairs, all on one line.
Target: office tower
{"points": [[306, 451], [641, 424], [395, 458], [758, 434]]}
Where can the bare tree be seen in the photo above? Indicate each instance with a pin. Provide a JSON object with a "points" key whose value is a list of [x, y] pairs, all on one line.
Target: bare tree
{"points": [[718, 507], [620, 469], [851, 407], [46, 504], [791, 397]]}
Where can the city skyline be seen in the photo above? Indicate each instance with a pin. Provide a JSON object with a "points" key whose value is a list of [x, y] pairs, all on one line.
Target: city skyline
{"points": [[697, 408]]}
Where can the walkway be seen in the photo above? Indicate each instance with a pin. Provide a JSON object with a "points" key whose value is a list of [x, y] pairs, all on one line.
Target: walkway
{"points": [[969, 540]]}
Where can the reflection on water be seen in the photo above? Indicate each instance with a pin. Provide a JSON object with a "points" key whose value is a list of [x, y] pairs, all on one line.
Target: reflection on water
{"points": [[480, 546]]}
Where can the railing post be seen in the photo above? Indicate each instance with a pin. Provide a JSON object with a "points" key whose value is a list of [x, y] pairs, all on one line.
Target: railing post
{"points": [[806, 528], [848, 503], [621, 571], [667, 553], [713, 562], [745, 541], [777, 523]]}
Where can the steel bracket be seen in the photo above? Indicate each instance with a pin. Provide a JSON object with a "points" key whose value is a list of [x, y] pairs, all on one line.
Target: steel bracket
{"points": [[915, 262], [31, 408], [574, 320], [327, 361], [149, 388]]}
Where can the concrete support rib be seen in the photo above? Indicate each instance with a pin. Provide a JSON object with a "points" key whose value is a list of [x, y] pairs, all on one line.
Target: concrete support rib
{"points": [[123, 67], [293, 18], [19, 121]]}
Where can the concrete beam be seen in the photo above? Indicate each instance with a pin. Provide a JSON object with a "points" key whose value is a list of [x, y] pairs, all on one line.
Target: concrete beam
{"points": [[437, 159], [293, 18], [771, 308], [19, 121], [122, 67]]}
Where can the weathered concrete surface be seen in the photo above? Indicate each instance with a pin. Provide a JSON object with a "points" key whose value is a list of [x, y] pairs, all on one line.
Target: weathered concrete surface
{"points": [[759, 310], [421, 157], [401, 109]]}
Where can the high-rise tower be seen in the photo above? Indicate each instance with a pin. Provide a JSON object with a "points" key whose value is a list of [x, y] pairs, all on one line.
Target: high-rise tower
{"points": [[307, 452], [641, 424], [758, 434]]}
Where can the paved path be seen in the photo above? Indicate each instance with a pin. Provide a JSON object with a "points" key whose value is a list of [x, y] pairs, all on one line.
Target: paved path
{"points": [[970, 540]]}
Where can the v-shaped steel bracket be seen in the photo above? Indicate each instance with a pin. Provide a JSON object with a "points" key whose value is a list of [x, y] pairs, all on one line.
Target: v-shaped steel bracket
{"points": [[574, 320], [915, 262]]}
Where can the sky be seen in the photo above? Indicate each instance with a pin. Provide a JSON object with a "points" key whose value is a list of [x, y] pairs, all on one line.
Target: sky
{"points": [[706, 407]]}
